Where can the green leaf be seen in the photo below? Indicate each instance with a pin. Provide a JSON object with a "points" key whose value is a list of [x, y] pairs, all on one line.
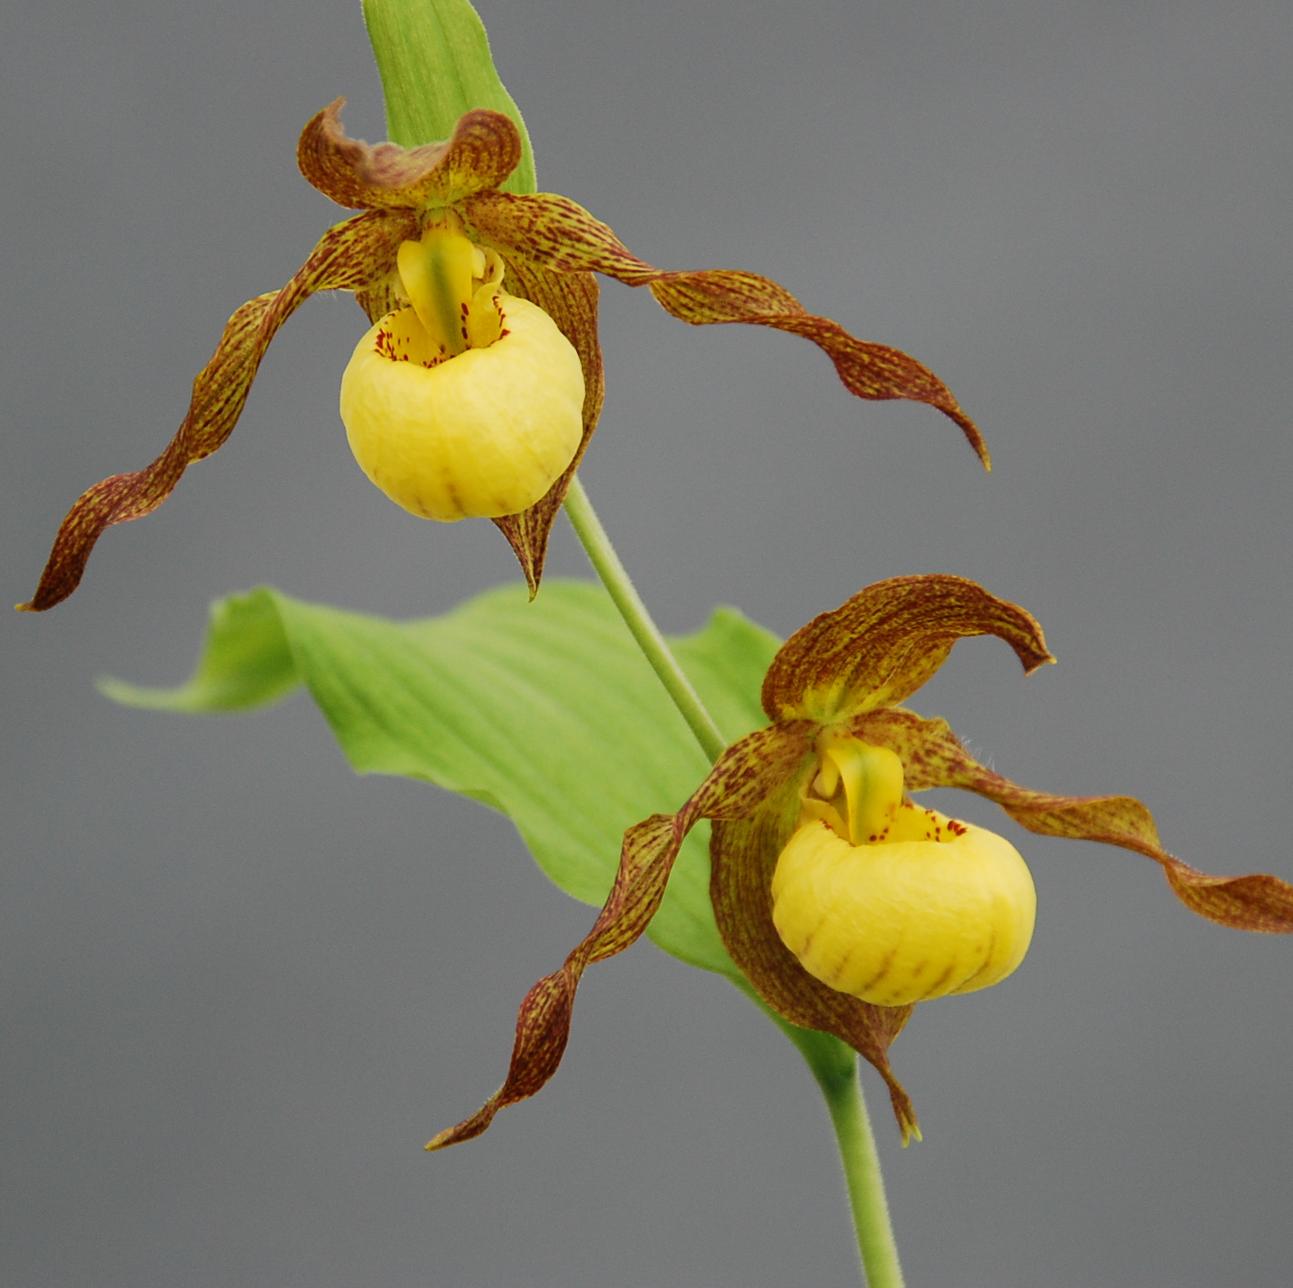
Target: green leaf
{"points": [[543, 710], [434, 60]]}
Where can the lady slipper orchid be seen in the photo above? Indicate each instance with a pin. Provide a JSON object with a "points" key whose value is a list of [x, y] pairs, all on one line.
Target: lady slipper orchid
{"points": [[464, 398], [842, 901], [467, 403], [891, 903]]}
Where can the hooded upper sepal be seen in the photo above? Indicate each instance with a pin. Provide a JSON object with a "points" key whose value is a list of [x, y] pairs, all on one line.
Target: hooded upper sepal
{"points": [[559, 233], [484, 149], [346, 257], [883, 643], [744, 775], [934, 757]]}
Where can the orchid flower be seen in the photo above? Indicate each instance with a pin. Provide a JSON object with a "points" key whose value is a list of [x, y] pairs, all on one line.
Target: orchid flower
{"points": [[842, 901], [480, 383]]}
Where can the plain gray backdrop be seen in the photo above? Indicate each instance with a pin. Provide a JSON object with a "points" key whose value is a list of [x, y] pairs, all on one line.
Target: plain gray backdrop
{"points": [[241, 986]]}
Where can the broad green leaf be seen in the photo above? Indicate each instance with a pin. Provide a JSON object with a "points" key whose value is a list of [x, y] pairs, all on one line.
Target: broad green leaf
{"points": [[434, 60], [543, 710]]}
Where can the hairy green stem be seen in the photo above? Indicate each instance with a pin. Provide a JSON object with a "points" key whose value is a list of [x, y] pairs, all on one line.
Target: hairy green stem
{"points": [[865, 1182], [837, 1079]]}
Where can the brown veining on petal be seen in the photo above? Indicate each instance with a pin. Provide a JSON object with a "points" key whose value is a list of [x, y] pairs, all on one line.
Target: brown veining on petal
{"points": [[554, 231], [886, 641], [936, 758], [348, 256], [747, 772]]}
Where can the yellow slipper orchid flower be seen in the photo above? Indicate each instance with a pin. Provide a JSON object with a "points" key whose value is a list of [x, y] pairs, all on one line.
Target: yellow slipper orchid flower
{"points": [[440, 256], [468, 402], [843, 901], [892, 903]]}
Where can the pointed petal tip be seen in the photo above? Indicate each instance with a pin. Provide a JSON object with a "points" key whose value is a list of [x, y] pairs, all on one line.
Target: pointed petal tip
{"points": [[469, 1128], [973, 435], [1259, 902], [58, 582], [1036, 663], [903, 1110]]}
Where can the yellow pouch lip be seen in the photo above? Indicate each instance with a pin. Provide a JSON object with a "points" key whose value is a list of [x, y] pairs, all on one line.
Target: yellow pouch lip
{"points": [[906, 920], [480, 434]]}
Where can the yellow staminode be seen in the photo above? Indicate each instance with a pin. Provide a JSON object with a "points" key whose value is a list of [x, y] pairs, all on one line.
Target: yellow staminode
{"points": [[893, 903], [469, 402]]}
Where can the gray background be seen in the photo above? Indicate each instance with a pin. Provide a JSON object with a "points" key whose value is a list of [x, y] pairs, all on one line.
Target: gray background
{"points": [[242, 986]]}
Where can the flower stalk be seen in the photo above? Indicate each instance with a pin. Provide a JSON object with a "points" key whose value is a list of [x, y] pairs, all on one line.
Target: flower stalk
{"points": [[861, 1162]]}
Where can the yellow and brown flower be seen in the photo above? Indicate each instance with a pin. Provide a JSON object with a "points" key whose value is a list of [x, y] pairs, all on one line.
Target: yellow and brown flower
{"points": [[842, 901], [434, 258]]}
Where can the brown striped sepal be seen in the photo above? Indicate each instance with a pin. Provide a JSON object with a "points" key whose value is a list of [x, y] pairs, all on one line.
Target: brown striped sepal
{"points": [[483, 150], [886, 641]]}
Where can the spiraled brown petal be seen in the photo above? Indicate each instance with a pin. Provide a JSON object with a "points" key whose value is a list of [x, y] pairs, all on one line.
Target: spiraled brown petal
{"points": [[886, 641], [743, 853], [743, 776], [570, 300], [346, 257], [562, 235], [484, 150], [934, 757]]}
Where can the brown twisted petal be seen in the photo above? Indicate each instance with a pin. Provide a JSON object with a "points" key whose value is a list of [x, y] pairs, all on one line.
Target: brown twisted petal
{"points": [[746, 773], [347, 256], [886, 641], [555, 231], [570, 300], [743, 853], [934, 757], [483, 150]]}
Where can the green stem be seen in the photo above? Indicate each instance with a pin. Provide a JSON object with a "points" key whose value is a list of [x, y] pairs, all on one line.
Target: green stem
{"points": [[865, 1182], [836, 1077], [601, 554]]}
